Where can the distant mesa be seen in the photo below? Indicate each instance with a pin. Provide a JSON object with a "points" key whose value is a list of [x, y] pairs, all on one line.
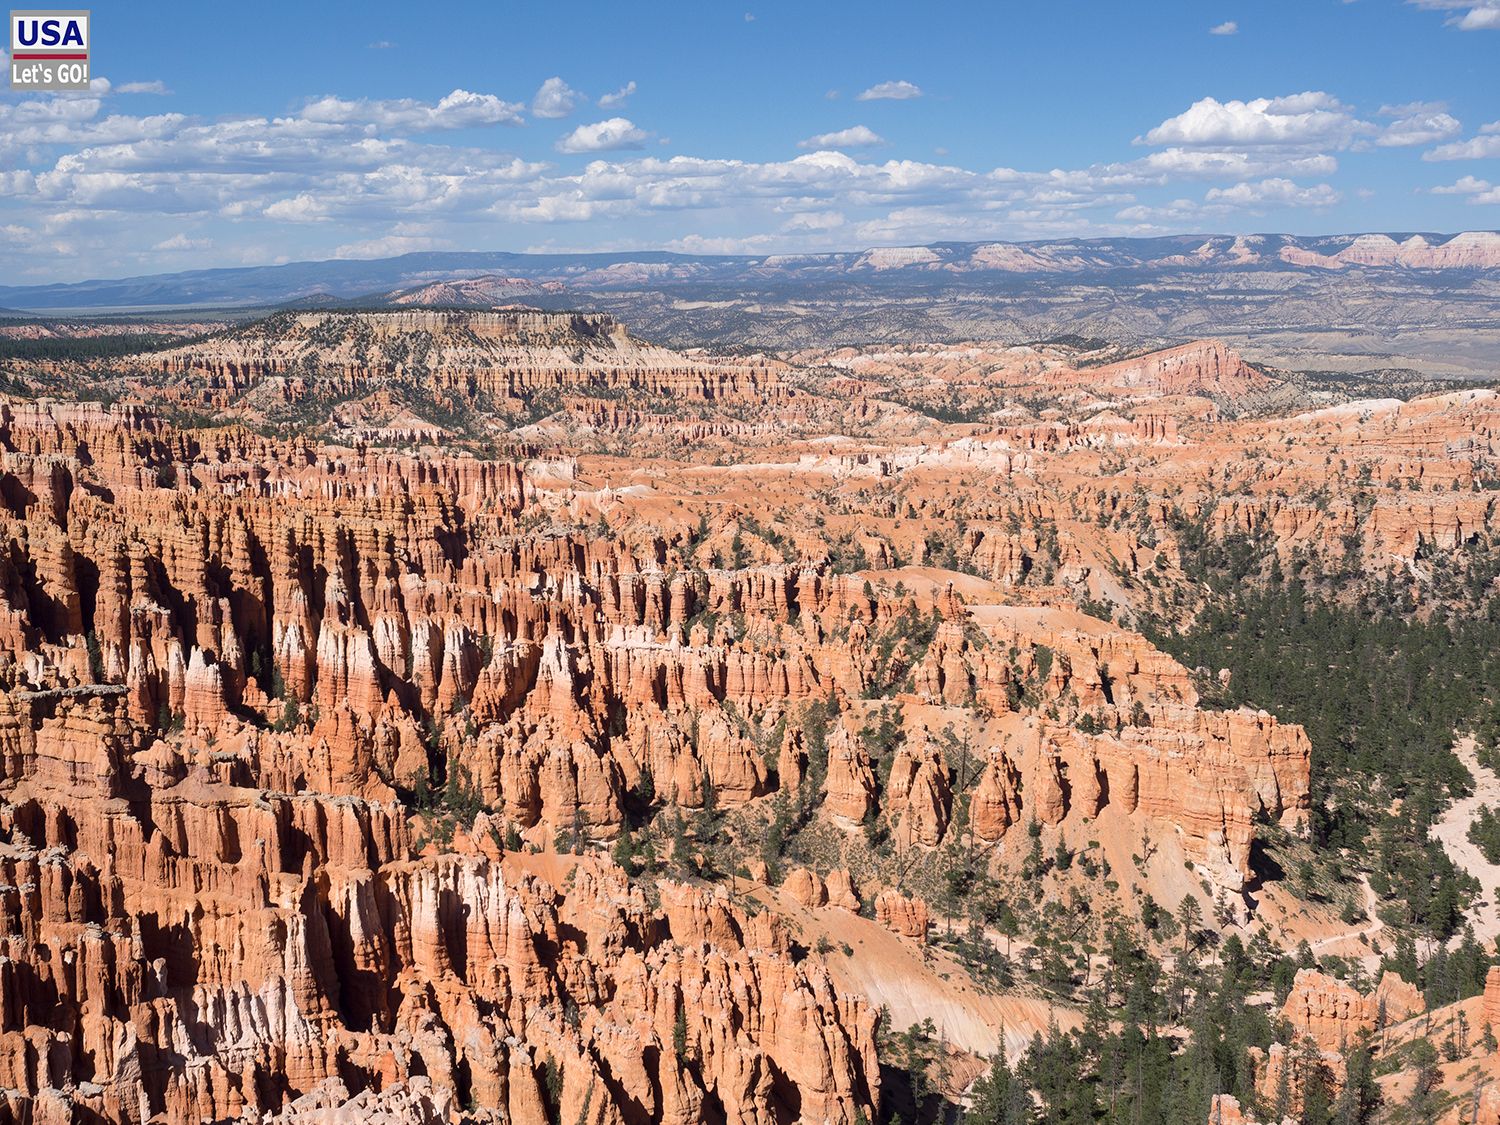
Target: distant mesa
{"points": [[1475, 250], [486, 278], [473, 292]]}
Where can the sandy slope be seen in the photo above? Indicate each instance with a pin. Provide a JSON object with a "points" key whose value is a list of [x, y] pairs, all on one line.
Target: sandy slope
{"points": [[894, 973], [1452, 829]]}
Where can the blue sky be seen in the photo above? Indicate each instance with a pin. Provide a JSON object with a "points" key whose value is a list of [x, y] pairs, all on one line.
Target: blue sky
{"points": [[255, 133]]}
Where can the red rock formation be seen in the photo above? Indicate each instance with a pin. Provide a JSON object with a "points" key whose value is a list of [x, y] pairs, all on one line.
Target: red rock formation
{"points": [[918, 796], [806, 887], [841, 891], [504, 354], [850, 788], [204, 706], [1225, 1110], [906, 916], [996, 803], [1333, 1013], [1205, 366], [274, 711]]}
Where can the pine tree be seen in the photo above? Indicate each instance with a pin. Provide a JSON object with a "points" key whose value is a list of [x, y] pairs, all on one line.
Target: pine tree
{"points": [[1360, 1097]]}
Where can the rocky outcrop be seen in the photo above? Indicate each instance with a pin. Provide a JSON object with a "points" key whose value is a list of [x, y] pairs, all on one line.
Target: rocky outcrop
{"points": [[329, 969], [842, 891], [996, 803], [1225, 1110], [217, 908], [1202, 367], [850, 788], [806, 887], [902, 914], [503, 354], [1490, 1012], [918, 796], [1334, 1014]]}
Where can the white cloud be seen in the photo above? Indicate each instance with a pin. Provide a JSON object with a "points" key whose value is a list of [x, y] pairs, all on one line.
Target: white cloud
{"points": [[1407, 109], [814, 221], [603, 136], [1222, 164], [156, 87], [898, 90], [1228, 27], [554, 98], [1217, 203], [77, 121], [1480, 19], [303, 208], [180, 242], [1482, 147], [390, 245], [1299, 120], [1478, 191], [856, 136], [1417, 124], [1273, 192], [618, 98], [1477, 15], [380, 45], [1466, 185], [364, 177], [458, 110]]}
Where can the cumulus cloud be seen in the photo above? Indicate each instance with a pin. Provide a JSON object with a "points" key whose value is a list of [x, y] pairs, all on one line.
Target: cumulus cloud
{"points": [[1480, 19], [1422, 129], [458, 110], [1221, 164], [1419, 123], [1482, 147], [1478, 191], [1466, 185], [1277, 192], [1469, 15], [368, 177], [1247, 197], [156, 87], [303, 208], [554, 98], [814, 221], [1228, 27], [618, 98], [399, 241], [77, 121], [603, 136], [899, 90], [1309, 119], [856, 136], [180, 242]]}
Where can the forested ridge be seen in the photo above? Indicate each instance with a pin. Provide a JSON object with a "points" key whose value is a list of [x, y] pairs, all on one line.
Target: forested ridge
{"points": [[1384, 682]]}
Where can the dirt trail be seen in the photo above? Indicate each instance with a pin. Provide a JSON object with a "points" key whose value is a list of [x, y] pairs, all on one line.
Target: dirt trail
{"points": [[1452, 831], [1373, 927]]}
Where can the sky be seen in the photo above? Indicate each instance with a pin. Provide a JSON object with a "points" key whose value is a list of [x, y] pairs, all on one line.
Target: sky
{"points": [[248, 134]]}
